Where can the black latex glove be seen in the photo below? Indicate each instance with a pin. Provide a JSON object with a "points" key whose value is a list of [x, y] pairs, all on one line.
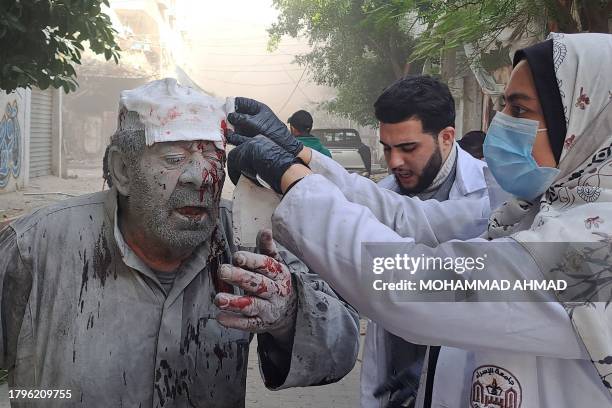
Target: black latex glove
{"points": [[260, 156], [255, 118], [402, 387]]}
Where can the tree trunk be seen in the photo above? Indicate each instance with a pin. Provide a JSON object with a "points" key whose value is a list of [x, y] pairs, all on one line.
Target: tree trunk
{"points": [[396, 65], [594, 15], [560, 17]]}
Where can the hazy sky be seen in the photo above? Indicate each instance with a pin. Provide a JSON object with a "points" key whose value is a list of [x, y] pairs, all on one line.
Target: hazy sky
{"points": [[230, 56]]}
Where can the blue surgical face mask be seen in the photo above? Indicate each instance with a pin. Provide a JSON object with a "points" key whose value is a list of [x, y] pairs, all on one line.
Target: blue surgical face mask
{"points": [[507, 150]]}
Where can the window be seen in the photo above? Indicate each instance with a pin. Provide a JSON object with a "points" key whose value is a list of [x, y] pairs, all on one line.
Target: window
{"points": [[338, 138]]}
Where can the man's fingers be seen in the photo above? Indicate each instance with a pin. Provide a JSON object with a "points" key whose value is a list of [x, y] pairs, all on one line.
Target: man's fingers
{"points": [[236, 139], [245, 305], [250, 282], [266, 245], [232, 321], [263, 264]]}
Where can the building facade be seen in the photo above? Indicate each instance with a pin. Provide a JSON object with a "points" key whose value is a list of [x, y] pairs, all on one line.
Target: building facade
{"points": [[30, 136]]}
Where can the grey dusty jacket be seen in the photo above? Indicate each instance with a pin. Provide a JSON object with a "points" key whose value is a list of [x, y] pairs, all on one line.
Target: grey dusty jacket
{"points": [[81, 312]]}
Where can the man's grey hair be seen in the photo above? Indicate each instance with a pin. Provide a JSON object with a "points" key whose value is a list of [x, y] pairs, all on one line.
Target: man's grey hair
{"points": [[131, 143]]}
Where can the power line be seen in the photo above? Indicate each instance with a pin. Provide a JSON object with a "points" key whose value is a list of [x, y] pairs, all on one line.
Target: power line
{"points": [[294, 89]]}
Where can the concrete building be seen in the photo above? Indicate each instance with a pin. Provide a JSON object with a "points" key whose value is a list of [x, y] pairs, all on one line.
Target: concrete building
{"points": [[153, 42]]}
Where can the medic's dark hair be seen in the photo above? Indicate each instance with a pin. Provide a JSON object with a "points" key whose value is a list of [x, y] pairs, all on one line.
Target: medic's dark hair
{"points": [[472, 143], [417, 97]]}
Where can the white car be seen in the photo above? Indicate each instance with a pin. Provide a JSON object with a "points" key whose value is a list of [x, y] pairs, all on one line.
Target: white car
{"points": [[346, 148]]}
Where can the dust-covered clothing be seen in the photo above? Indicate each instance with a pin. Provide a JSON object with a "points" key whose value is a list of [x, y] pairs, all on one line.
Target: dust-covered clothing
{"points": [[81, 311]]}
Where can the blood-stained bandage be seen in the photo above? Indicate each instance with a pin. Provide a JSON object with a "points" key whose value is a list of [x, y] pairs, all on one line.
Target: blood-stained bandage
{"points": [[171, 112]]}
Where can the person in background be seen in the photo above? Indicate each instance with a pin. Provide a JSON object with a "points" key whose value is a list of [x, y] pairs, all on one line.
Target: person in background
{"points": [[472, 143], [300, 124], [417, 130]]}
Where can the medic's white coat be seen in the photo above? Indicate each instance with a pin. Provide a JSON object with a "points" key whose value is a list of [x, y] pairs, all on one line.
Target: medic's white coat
{"points": [[530, 349], [469, 183]]}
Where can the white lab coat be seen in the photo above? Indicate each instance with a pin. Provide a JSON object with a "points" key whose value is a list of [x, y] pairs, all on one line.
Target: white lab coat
{"points": [[469, 183], [532, 345]]}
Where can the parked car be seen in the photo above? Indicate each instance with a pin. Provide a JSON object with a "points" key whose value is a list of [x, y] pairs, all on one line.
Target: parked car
{"points": [[346, 148]]}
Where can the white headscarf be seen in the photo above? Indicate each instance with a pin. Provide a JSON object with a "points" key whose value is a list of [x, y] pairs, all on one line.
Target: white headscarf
{"points": [[578, 206]]}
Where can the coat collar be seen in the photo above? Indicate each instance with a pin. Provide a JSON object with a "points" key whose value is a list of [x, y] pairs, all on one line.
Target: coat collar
{"points": [[470, 176]]}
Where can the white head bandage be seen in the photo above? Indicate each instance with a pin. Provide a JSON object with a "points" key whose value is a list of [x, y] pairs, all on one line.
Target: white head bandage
{"points": [[171, 112]]}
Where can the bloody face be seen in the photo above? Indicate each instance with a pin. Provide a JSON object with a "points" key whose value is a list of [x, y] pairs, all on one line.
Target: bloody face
{"points": [[176, 190]]}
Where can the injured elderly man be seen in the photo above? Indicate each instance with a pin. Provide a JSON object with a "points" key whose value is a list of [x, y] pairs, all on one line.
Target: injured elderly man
{"points": [[136, 296]]}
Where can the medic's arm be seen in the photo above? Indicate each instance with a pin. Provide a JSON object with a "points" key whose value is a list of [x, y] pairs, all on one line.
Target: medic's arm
{"points": [[326, 338], [429, 222], [317, 223], [15, 286]]}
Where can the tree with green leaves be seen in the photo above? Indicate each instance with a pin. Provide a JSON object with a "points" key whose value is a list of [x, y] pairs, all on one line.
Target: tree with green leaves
{"points": [[453, 23], [42, 40], [354, 49]]}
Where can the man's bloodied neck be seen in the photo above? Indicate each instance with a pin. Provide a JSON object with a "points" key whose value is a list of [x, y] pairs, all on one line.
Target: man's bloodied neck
{"points": [[173, 205]]}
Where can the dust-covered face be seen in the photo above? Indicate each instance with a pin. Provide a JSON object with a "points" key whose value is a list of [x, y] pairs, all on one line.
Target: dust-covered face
{"points": [[175, 189]]}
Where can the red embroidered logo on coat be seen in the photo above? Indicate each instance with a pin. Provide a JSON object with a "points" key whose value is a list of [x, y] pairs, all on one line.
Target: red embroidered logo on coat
{"points": [[495, 387]]}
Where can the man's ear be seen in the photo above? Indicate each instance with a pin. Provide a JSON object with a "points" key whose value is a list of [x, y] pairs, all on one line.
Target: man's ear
{"points": [[118, 170], [447, 136]]}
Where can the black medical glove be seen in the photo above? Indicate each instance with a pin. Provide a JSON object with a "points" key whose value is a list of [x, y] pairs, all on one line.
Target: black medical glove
{"points": [[260, 156], [402, 387], [254, 118], [236, 139]]}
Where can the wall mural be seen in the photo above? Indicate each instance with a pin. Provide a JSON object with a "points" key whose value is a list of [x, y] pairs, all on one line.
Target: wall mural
{"points": [[10, 144]]}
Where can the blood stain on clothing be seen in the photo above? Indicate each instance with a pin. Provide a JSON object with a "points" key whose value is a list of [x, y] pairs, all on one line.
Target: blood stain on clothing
{"points": [[174, 113], [242, 349], [84, 277], [192, 336], [102, 259], [221, 354], [90, 321]]}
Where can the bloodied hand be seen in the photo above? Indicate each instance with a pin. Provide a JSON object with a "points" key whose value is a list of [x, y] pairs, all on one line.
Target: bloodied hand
{"points": [[270, 303]]}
